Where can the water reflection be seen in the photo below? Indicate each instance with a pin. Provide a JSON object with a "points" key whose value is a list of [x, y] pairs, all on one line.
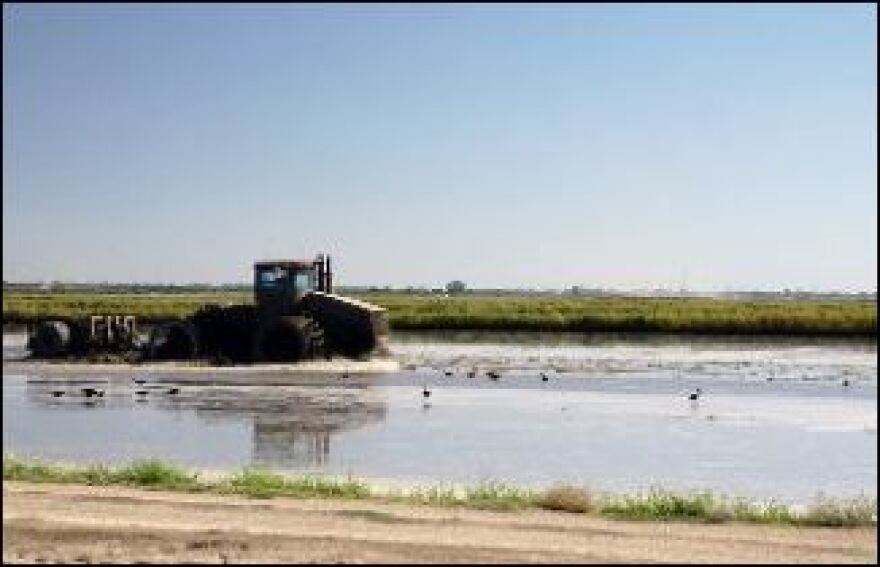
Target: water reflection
{"points": [[285, 444], [291, 426]]}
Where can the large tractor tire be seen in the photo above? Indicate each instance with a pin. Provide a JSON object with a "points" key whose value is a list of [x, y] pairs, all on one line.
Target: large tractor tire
{"points": [[226, 332], [173, 341], [55, 338], [288, 339]]}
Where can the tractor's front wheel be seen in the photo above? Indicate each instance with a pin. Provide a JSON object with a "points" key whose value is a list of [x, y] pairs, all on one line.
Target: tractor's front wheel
{"points": [[288, 339]]}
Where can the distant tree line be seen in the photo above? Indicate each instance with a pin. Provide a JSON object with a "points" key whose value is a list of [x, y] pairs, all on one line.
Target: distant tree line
{"points": [[454, 287]]}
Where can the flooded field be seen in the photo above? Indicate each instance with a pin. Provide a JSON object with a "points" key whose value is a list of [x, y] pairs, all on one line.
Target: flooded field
{"points": [[776, 418]]}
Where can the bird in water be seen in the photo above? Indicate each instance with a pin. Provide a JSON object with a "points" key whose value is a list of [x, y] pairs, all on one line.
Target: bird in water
{"points": [[472, 373], [57, 393], [447, 372], [139, 381], [426, 393], [695, 395], [544, 377], [493, 375], [846, 382], [173, 391]]}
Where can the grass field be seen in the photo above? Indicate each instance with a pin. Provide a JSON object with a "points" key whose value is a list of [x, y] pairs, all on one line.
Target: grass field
{"points": [[539, 313]]}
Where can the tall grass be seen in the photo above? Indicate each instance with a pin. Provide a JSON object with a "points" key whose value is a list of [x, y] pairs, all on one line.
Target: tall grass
{"points": [[266, 484], [655, 505], [692, 315], [148, 473], [584, 314]]}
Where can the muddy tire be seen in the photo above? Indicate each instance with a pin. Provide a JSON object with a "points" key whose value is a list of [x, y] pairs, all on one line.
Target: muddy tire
{"points": [[54, 338], [173, 341], [287, 339]]}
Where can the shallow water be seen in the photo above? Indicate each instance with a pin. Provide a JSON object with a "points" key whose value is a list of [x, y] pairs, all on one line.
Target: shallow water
{"points": [[774, 419]]}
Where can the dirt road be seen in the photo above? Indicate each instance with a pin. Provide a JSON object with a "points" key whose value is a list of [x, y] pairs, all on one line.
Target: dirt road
{"points": [[65, 523]]}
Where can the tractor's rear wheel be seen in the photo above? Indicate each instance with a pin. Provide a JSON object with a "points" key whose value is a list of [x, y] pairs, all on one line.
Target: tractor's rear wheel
{"points": [[55, 338], [173, 341], [288, 339]]}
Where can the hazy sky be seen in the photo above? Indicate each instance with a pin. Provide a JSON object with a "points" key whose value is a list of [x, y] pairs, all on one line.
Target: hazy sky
{"points": [[719, 146]]}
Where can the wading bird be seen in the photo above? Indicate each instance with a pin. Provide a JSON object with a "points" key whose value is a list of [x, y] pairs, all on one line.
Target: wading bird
{"points": [[426, 393], [544, 377], [695, 395]]}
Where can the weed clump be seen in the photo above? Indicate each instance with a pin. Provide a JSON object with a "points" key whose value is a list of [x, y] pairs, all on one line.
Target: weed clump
{"points": [[484, 496], [150, 473], [664, 505], [841, 513], [496, 496], [566, 499], [15, 468], [266, 484]]}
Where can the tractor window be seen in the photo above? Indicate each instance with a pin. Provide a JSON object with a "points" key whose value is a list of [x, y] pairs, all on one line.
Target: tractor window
{"points": [[271, 279], [303, 282]]}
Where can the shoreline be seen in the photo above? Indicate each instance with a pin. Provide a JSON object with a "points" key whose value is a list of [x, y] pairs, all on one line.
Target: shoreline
{"points": [[655, 505]]}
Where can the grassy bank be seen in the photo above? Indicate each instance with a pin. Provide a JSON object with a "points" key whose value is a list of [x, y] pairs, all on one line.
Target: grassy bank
{"points": [[656, 505], [407, 311]]}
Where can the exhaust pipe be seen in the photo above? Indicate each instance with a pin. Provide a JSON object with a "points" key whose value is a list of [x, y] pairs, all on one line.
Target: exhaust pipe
{"points": [[328, 274], [319, 263]]}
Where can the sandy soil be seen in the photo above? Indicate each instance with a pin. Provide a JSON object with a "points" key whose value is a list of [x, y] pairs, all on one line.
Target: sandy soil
{"points": [[55, 523]]}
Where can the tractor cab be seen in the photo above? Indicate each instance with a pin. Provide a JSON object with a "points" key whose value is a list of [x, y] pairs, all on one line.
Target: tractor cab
{"points": [[280, 285]]}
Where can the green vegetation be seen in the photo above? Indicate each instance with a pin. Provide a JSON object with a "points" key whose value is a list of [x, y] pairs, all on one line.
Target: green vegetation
{"points": [[507, 312], [265, 484], [485, 496], [655, 505], [691, 315], [149, 473], [27, 307]]}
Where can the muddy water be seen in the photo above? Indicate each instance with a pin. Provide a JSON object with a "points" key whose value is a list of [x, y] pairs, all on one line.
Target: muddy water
{"points": [[774, 420]]}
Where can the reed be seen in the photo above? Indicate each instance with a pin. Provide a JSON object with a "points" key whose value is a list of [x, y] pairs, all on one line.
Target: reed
{"points": [[507, 313]]}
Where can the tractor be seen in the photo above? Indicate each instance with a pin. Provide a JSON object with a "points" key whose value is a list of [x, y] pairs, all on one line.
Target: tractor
{"points": [[295, 316]]}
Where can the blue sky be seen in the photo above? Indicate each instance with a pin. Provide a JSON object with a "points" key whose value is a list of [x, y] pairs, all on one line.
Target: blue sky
{"points": [[718, 146]]}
